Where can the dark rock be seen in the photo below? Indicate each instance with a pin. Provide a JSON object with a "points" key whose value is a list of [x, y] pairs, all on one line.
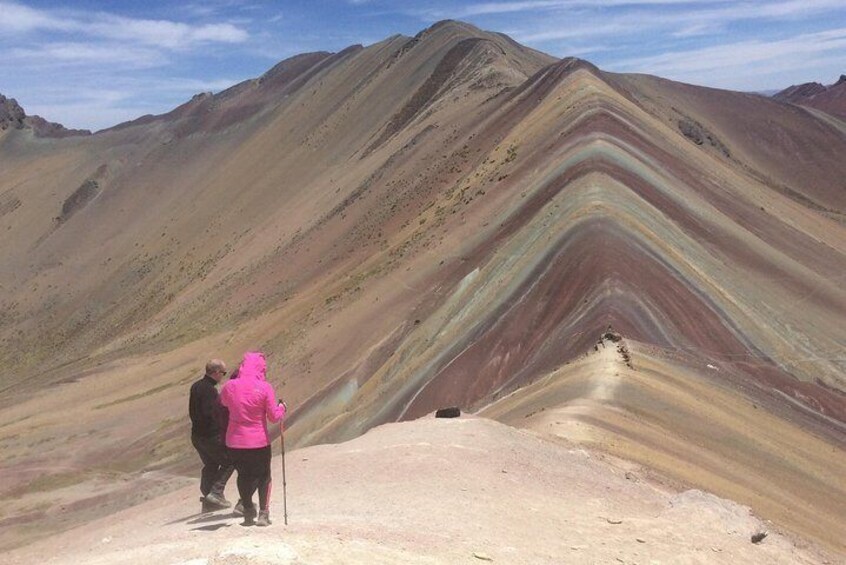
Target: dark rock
{"points": [[80, 197], [759, 537], [11, 114], [699, 134], [610, 335], [451, 412], [691, 131]]}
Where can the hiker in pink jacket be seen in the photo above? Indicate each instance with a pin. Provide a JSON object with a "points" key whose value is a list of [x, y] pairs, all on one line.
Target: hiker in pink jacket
{"points": [[251, 403]]}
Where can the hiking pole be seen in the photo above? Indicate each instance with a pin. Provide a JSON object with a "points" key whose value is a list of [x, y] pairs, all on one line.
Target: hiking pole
{"points": [[284, 483]]}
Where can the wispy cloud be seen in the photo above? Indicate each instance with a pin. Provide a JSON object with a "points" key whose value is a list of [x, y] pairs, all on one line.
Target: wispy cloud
{"points": [[171, 35], [64, 53], [759, 7], [741, 53], [118, 100], [20, 19], [697, 19], [111, 65], [534, 6], [739, 64]]}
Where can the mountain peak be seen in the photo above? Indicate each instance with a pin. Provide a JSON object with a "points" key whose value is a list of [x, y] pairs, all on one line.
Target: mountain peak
{"points": [[450, 26], [11, 114]]}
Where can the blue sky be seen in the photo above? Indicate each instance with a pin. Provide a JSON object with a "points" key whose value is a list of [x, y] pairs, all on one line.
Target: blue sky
{"points": [[93, 64]]}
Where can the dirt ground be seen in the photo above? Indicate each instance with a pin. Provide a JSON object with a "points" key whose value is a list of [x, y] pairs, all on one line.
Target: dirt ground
{"points": [[466, 490]]}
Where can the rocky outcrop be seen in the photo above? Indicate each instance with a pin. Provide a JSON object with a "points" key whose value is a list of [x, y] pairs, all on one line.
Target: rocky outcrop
{"points": [[12, 116], [799, 92], [830, 99], [43, 128]]}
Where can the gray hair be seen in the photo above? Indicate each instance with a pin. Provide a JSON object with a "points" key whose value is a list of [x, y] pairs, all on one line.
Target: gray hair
{"points": [[214, 366]]}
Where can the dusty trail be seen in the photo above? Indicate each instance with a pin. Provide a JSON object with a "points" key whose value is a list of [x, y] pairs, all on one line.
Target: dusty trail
{"points": [[436, 491]]}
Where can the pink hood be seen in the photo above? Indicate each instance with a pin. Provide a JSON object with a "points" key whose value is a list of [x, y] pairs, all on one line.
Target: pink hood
{"points": [[251, 402]]}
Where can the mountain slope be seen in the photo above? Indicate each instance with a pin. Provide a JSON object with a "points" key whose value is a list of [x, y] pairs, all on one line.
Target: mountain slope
{"points": [[676, 413], [444, 219]]}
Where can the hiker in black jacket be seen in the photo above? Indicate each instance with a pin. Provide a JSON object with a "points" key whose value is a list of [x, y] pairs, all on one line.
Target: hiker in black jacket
{"points": [[204, 409]]}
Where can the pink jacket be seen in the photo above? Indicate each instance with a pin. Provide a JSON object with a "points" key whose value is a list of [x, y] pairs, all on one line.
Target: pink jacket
{"points": [[251, 402]]}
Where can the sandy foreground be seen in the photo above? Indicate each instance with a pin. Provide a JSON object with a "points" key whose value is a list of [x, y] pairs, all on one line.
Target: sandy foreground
{"points": [[466, 490]]}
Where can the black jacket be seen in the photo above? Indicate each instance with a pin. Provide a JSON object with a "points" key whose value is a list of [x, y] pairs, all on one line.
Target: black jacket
{"points": [[204, 408]]}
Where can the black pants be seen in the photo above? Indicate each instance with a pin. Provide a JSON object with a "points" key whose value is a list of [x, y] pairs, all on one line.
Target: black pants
{"points": [[217, 464], [253, 474]]}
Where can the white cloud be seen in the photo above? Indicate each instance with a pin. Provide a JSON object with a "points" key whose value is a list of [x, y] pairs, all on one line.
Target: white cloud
{"points": [[19, 19], [571, 32], [739, 64], [81, 115], [182, 85], [742, 53], [767, 8], [698, 29], [59, 53], [172, 35], [491, 8], [96, 69], [566, 19], [122, 100]]}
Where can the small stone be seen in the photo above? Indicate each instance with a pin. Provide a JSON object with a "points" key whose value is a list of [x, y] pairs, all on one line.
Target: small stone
{"points": [[451, 412], [578, 547], [759, 537], [482, 556], [640, 540], [613, 521]]}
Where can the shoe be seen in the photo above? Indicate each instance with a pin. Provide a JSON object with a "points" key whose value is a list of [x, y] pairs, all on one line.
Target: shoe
{"points": [[215, 501], [239, 508], [249, 517], [263, 518]]}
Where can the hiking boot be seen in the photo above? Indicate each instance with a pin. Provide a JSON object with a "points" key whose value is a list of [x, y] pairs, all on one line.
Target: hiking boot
{"points": [[249, 516], [239, 508], [214, 501], [263, 518]]}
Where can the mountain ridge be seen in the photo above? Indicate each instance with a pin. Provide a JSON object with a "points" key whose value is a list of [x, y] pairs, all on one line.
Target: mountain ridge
{"points": [[830, 99], [12, 116]]}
